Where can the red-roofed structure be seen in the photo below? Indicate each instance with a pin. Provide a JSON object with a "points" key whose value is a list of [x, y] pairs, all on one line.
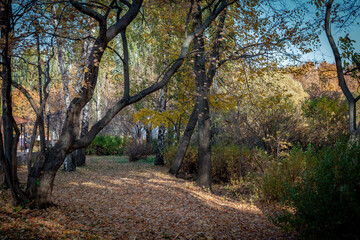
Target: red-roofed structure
{"points": [[19, 121]]}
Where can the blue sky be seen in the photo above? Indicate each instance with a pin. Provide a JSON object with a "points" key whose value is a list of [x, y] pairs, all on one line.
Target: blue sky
{"points": [[324, 52]]}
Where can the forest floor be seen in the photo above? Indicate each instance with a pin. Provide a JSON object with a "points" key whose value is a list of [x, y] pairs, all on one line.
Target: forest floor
{"points": [[110, 198]]}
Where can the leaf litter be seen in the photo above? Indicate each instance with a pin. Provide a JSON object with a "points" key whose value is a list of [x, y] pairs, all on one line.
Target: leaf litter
{"points": [[111, 200]]}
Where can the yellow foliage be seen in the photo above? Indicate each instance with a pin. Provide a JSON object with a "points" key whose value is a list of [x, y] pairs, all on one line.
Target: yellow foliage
{"points": [[155, 118]]}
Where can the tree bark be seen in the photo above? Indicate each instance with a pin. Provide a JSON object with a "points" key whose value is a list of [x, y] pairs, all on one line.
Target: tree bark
{"points": [[41, 178], [185, 141], [8, 147], [340, 71], [79, 155], [161, 133], [203, 92], [69, 162], [41, 123]]}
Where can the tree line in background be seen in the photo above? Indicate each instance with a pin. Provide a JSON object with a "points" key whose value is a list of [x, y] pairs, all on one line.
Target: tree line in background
{"points": [[205, 86]]}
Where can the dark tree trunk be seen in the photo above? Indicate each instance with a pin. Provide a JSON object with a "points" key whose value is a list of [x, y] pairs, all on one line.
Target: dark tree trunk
{"points": [[80, 154], [69, 162], [340, 74], [80, 157], [9, 145], [203, 91], [41, 123], [240, 159], [148, 134], [42, 175], [185, 141]]}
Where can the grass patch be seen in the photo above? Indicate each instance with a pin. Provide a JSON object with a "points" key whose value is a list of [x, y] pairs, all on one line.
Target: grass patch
{"points": [[119, 159]]}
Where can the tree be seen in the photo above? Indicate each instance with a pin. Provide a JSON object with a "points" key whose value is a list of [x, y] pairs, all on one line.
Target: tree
{"points": [[42, 174], [8, 147], [347, 44], [250, 36]]}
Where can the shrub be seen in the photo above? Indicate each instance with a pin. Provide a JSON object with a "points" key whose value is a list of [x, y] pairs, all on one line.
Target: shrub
{"points": [[107, 145], [282, 172], [189, 163], [326, 119], [225, 161], [137, 150], [325, 203]]}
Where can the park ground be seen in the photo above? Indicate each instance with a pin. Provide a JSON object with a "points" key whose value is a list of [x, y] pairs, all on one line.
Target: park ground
{"points": [[111, 198]]}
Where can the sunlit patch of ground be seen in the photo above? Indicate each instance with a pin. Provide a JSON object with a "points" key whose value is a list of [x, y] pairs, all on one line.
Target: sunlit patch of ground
{"points": [[113, 199]]}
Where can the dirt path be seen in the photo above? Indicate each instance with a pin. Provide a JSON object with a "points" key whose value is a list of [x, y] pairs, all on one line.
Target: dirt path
{"points": [[109, 199]]}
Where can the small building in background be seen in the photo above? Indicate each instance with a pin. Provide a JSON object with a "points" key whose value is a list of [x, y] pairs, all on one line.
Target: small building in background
{"points": [[21, 122]]}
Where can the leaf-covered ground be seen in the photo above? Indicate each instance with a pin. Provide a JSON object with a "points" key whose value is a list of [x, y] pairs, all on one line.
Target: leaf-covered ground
{"points": [[113, 199]]}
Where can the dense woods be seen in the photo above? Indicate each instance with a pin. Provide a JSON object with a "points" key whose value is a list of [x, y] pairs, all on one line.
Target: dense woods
{"points": [[219, 93]]}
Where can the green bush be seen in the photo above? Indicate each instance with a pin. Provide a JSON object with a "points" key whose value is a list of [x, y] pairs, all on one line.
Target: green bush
{"points": [[107, 145], [325, 202], [326, 120]]}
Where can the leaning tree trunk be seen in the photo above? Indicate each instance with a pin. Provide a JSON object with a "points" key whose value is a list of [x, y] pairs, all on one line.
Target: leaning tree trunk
{"points": [[185, 141], [341, 78], [79, 155], [214, 60], [69, 163]]}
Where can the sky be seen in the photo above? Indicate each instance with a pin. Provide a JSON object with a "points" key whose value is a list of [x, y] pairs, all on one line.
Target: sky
{"points": [[324, 52]]}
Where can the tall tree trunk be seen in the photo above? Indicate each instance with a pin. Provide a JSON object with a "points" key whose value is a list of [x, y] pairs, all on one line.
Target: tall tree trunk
{"points": [[32, 143], [203, 91], [79, 155], [340, 74], [161, 133], [41, 123], [69, 163], [214, 59], [185, 141], [8, 147]]}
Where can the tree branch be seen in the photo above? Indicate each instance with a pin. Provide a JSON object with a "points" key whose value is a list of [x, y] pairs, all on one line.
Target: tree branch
{"points": [[88, 11], [339, 68]]}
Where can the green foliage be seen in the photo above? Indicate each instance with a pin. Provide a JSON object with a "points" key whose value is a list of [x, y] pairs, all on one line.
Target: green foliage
{"points": [[107, 145], [326, 119], [325, 201], [282, 172]]}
